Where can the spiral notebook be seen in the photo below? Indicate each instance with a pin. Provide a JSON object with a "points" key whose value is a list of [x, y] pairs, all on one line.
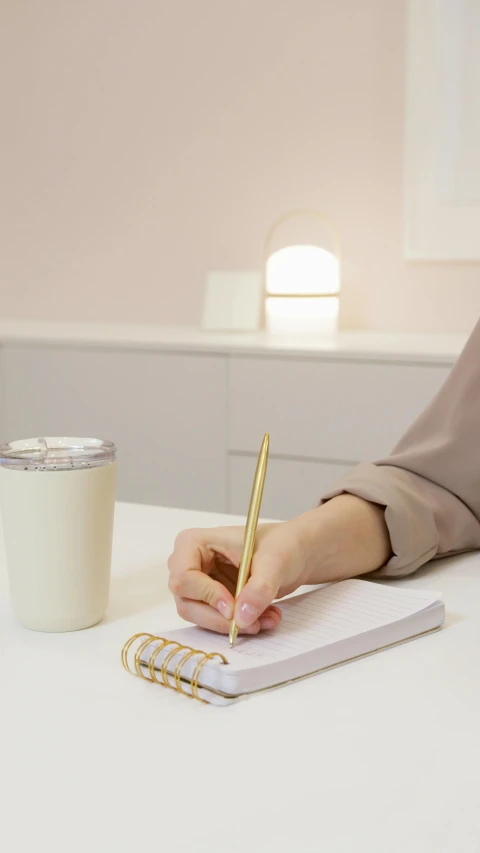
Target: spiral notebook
{"points": [[319, 629]]}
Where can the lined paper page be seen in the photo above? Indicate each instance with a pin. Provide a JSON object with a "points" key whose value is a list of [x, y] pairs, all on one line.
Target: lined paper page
{"points": [[334, 613], [314, 620]]}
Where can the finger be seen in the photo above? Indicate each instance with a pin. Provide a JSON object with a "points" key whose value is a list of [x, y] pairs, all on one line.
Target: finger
{"points": [[258, 594], [270, 619], [189, 552], [197, 548], [189, 611], [197, 586], [206, 617]]}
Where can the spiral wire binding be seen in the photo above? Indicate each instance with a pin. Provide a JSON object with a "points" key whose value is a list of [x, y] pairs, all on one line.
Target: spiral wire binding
{"points": [[141, 668]]}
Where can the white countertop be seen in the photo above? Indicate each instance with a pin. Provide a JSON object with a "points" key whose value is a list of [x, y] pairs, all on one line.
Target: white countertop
{"points": [[378, 756], [345, 345]]}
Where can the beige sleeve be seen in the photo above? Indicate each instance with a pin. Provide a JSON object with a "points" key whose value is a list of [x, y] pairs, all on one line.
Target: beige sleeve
{"points": [[430, 485]]}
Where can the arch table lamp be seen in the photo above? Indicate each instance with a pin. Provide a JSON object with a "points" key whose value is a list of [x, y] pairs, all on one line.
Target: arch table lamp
{"points": [[301, 282]]}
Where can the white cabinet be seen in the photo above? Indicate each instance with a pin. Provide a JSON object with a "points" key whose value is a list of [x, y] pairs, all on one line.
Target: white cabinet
{"points": [[166, 413], [292, 486], [343, 411], [188, 411]]}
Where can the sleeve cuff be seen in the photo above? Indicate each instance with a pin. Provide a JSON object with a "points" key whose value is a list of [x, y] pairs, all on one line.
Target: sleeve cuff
{"points": [[409, 519]]}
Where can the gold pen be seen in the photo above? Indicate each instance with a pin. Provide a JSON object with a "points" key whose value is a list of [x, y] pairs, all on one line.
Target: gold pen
{"points": [[251, 528]]}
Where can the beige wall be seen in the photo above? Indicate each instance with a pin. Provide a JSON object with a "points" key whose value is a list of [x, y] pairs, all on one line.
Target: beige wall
{"points": [[146, 141]]}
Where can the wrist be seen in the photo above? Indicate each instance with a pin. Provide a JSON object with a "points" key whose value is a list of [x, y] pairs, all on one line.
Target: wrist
{"points": [[344, 537]]}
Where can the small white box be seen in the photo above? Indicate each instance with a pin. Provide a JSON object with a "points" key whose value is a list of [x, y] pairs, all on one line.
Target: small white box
{"points": [[233, 301]]}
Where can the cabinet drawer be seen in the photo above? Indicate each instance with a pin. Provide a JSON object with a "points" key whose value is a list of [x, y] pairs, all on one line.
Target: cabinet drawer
{"points": [[291, 486], [342, 411], [166, 413]]}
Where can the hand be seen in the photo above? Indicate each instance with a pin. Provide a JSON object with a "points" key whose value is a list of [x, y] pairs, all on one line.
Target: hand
{"points": [[204, 569], [345, 537]]}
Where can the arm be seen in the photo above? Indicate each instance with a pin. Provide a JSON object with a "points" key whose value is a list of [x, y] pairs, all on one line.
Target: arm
{"points": [[430, 485], [388, 518]]}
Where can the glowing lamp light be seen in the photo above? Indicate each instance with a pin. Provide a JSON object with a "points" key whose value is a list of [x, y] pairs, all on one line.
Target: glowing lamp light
{"points": [[302, 284]]}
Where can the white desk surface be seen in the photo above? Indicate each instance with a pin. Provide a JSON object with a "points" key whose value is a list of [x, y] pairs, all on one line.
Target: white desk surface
{"points": [[379, 756], [346, 345]]}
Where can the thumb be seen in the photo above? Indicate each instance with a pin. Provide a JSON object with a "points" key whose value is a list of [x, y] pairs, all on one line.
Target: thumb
{"points": [[258, 593]]}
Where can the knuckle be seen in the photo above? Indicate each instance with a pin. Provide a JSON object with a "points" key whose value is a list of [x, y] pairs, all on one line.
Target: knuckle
{"points": [[267, 589], [175, 584], [185, 536], [209, 595], [180, 539]]}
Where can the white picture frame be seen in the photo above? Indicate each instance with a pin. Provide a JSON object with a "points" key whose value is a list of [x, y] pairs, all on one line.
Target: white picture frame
{"points": [[442, 131], [233, 301]]}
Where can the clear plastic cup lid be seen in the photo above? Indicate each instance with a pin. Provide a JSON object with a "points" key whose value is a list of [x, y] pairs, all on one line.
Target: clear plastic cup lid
{"points": [[57, 454]]}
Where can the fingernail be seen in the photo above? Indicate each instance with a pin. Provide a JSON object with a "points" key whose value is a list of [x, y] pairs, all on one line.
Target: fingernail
{"points": [[267, 624], [246, 614], [225, 609]]}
